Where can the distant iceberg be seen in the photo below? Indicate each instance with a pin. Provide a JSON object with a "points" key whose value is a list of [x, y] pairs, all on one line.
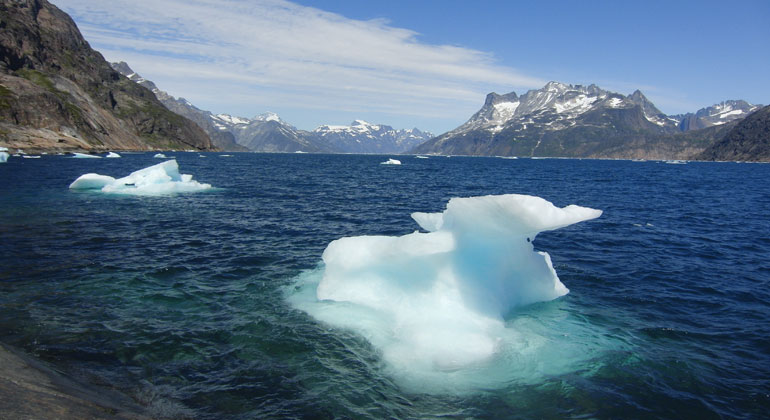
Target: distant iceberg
{"points": [[4, 154], [85, 156], [160, 156], [391, 162], [161, 179], [112, 155], [435, 302]]}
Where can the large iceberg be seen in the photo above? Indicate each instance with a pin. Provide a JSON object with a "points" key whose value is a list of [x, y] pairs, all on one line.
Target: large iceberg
{"points": [[161, 179], [437, 301]]}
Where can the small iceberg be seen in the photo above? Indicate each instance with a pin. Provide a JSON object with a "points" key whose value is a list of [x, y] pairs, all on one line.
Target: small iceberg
{"points": [[30, 156], [434, 303], [161, 179], [4, 154], [112, 155], [421, 157], [84, 156], [391, 162], [160, 156]]}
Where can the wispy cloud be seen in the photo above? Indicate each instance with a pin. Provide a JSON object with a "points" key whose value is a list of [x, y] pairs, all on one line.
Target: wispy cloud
{"points": [[254, 52]]}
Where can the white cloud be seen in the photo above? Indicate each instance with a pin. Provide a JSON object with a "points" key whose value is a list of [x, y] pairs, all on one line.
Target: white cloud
{"points": [[271, 50]]}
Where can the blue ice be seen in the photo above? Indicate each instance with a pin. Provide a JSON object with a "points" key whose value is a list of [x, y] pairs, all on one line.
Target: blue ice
{"points": [[434, 303]]}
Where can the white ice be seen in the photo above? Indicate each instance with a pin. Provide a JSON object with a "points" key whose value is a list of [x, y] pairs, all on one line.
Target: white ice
{"points": [[84, 156], [160, 156], [4, 154], [161, 179], [112, 155], [391, 162], [434, 303]]}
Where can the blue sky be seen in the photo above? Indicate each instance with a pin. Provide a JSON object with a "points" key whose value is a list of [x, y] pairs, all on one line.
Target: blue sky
{"points": [[429, 63]]}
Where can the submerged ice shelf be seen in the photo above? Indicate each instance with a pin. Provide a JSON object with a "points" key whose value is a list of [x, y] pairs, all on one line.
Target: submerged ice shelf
{"points": [[163, 178], [434, 303]]}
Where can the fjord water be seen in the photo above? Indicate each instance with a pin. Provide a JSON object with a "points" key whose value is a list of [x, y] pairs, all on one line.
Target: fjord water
{"points": [[184, 302]]}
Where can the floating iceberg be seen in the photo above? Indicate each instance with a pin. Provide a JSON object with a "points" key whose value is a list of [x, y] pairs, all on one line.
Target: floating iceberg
{"points": [[112, 155], [436, 301], [4, 154], [391, 162], [160, 179], [85, 156], [160, 156]]}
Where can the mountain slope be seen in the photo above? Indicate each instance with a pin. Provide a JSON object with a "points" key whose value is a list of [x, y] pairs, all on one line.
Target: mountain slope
{"points": [[58, 93], [572, 121], [223, 140], [749, 140]]}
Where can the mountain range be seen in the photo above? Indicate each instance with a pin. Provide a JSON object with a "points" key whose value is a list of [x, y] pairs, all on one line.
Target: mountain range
{"points": [[56, 93], [269, 133], [586, 121]]}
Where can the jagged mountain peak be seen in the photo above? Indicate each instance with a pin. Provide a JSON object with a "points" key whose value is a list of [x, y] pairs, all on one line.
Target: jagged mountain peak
{"points": [[494, 99], [268, 116], [122, 67]]}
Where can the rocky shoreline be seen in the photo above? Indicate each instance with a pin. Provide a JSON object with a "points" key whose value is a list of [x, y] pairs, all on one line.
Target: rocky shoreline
{"points": [[29, 389]]}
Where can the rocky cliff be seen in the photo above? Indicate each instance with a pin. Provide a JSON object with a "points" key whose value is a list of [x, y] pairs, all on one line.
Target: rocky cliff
{"points": [[57, 93]]}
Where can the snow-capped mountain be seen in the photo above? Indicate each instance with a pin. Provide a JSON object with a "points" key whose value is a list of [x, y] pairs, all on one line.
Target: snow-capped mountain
{"points": [[749, 140], [555, 107], [269, 133], [568, 120], [363, 137], [721, 113]]}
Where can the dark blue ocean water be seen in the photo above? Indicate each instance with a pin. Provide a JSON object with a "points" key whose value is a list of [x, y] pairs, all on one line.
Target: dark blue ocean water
{"points": [[181, 301]]}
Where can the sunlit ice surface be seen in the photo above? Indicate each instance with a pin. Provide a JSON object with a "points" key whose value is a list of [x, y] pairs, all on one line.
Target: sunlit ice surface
{"points": [[458, 307], [161, 179]]}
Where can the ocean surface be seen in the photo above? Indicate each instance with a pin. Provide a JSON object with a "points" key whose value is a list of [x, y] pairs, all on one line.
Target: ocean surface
{"points": [[185, 302]]}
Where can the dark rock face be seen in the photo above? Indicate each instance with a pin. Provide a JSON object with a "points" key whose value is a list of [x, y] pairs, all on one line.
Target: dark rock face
{"points": [[58, 93], [749, 140], [31, 390]]}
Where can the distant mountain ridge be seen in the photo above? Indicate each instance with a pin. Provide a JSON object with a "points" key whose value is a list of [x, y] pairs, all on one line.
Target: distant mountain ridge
{"points": [[718, 114], [269, 133], [582, 121], [363, 137], [57, 93], [749, 140]]}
